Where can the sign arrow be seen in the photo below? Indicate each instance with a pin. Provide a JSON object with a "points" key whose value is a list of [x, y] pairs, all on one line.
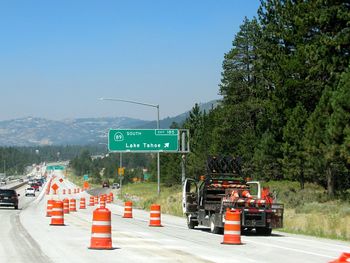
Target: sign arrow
{"points": [[166, 145]]}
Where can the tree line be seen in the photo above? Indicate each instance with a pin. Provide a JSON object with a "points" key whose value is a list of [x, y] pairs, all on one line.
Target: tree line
{"points": [[285, 105]]}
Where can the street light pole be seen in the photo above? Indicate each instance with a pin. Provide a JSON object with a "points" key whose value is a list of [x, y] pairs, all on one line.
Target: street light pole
{"points": [[150, 105]]}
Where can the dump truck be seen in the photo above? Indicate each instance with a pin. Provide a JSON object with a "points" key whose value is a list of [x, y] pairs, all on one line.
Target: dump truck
{"points": [[207, 198]]}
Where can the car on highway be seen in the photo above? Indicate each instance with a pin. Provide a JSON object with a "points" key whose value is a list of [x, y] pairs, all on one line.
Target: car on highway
{"points": [[35, 186], [30, 191], [105, 184], [9, 197], [115, 186]]}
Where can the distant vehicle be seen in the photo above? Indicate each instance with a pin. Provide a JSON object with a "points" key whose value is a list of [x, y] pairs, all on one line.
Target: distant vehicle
{"points": [[35, 186], [9, 198], [115, 186], [38, 182], [2, 182], [30, 191], [105, 184]]}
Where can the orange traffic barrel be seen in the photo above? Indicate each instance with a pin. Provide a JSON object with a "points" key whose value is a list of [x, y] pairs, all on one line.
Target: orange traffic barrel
{"points": [[108, 199], [69, 191], [155, 215], [246, 194], [49, 207], [101, 230], [72, 205], [66, 206], [128, 209], [82, 203], [96, 200], [91, 202], [64, 191], [344, 258], [102, 202], [232, 228], [57, 214], [111, 196]]}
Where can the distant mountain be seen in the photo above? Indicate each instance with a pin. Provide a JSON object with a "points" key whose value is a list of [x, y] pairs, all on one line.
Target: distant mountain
{"points": [[33, 131], [166, 122], [38, 131]]}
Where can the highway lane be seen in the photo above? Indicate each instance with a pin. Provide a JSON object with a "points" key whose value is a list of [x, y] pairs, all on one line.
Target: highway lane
{"points": [[135, 241], [16, 245]]}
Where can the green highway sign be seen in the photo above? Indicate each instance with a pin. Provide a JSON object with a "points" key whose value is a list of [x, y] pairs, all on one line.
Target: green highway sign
{"points": [[138, 140], [54, 167]]}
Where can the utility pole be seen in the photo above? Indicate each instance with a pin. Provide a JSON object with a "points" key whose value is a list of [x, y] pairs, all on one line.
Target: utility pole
{"points": [[120, 176]]}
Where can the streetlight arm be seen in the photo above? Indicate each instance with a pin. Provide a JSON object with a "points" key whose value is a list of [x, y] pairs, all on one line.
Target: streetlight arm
{"points": [[131, 101]]}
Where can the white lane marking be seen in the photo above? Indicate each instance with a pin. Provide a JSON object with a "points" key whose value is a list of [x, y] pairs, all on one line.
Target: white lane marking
{"points": [[291, 249], [314, 240]]}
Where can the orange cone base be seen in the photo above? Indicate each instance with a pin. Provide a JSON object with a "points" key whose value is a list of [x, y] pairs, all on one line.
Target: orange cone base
{"points": [[57, 224], [155, 225], [225, 243], [127, 216], [100, 244], [342, 259]]}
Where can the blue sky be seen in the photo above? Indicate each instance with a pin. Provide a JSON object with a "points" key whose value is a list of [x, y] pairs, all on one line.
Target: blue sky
{"points": [[58, 57]]}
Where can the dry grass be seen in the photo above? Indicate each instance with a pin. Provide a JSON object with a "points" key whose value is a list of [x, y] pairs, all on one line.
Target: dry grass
{"points": [[330, 225], [145, 194]]}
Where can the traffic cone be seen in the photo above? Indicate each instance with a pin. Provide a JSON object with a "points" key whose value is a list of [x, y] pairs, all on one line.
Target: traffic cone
{"points": [[69, 191], [344, 258], [64, 191], [57, 218], [102, 202], [108, 200], [155, 216], [111, 196], [232, 229], [101, 230], [82, 203], [66, 206], [127, 210], [49, 207], [91, 202], [72, 205], [96, 200]]}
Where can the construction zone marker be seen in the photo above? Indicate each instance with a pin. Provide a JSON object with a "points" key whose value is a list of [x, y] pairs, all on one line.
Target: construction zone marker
{"points": [[101, 230], [232, 228], [155, 218]]}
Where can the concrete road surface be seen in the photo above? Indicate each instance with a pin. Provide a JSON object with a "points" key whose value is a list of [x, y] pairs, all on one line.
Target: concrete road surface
{"points": [[34, 240]]}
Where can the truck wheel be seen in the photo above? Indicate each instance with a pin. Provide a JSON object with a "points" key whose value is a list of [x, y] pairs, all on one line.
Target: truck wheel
{"points": [[213, 228], [263, 231], [190, 223]]}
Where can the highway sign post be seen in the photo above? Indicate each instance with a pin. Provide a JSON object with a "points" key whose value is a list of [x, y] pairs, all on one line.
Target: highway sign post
{"points": [[143, 140]]}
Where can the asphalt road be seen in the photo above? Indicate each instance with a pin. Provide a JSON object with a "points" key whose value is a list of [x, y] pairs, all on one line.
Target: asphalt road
{"points": [[16, 245], [31, 239]]}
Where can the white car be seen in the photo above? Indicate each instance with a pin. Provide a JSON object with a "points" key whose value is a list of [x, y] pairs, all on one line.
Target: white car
{"points": [[30, 191]]}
